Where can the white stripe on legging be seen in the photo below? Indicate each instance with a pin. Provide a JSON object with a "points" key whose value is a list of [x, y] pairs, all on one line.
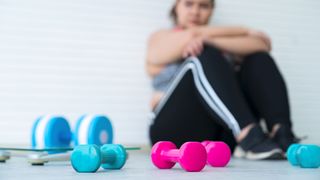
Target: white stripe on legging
{"points": [[231, 121], [210, 98], [180, 75]]}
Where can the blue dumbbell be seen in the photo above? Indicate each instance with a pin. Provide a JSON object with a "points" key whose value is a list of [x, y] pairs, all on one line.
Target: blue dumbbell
{"points": [[54, 131], [305, 156], [89, 158]]}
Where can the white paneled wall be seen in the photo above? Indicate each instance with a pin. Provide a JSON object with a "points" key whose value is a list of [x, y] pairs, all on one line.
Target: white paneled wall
{"points": [[73, 57]]}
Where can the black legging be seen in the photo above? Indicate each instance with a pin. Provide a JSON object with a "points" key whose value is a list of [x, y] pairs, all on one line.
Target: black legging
{"points": [[257, 91]]}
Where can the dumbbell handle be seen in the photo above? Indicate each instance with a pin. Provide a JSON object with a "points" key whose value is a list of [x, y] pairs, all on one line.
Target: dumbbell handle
{"points": [[108, 157], [171, 155]]}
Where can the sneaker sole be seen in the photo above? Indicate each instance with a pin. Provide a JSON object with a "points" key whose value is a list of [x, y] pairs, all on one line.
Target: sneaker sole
{"points": [[275, 154]]}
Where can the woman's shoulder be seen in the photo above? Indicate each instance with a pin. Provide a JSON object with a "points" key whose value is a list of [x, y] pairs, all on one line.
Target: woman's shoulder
{"points": [[161, 31], [158, 34], [167, 31], [170, 33]]}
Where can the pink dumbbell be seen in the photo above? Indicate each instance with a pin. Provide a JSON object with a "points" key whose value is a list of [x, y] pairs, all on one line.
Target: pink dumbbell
{"points": [[192, 156], [218, 152]]}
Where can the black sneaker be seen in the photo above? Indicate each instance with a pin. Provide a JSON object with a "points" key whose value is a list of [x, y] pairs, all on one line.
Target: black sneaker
{"points": [[284, 137], [257, 146]]}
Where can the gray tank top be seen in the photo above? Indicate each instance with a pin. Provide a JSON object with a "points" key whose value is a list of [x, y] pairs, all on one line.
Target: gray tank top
{"points": [[162, 81]]}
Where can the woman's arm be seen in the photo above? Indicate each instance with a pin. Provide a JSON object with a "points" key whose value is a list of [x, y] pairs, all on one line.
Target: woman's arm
{"points": [[166, 46], [240, 45], [220, 31]]}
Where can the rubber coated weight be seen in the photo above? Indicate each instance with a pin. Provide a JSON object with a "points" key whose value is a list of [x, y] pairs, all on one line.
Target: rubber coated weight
{"points": [[88, 158], [291, 154], [54, 131], [305, 156], [51, 131], [93, 129], [192, 156], [218, 153]]}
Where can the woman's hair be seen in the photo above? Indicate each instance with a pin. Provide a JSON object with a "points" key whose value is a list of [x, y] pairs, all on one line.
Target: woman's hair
{"points": [[173, 13]]}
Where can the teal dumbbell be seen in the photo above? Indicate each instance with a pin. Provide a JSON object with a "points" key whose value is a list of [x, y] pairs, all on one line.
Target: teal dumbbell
{"points": [[305, 156], [89, 158], [54, 131]]}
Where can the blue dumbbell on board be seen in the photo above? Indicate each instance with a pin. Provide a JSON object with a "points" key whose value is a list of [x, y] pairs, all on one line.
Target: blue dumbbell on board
{"points": [[89, 158], [304, 155], [54, 131]]}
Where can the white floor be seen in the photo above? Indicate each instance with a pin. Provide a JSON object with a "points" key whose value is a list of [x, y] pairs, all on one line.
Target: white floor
{"points": [[140, 167]]}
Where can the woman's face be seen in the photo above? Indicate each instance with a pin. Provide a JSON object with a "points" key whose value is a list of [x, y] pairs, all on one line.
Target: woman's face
{"points": [[192, 13]]}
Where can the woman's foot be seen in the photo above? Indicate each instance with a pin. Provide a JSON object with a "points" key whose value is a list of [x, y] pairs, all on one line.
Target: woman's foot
{"points": [[283, 136], [257, 146]]}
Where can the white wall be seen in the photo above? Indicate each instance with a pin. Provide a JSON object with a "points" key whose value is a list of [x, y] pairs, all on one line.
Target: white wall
{"points": [[73, 57]]}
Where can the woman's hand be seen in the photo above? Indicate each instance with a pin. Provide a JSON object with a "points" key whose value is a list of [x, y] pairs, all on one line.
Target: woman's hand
{"points": [[194, 47]]}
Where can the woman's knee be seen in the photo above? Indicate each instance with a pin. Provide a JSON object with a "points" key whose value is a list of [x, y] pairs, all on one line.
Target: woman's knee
{"points": [[258, 59], [209, 51], [212, 57], [258, 55]]}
